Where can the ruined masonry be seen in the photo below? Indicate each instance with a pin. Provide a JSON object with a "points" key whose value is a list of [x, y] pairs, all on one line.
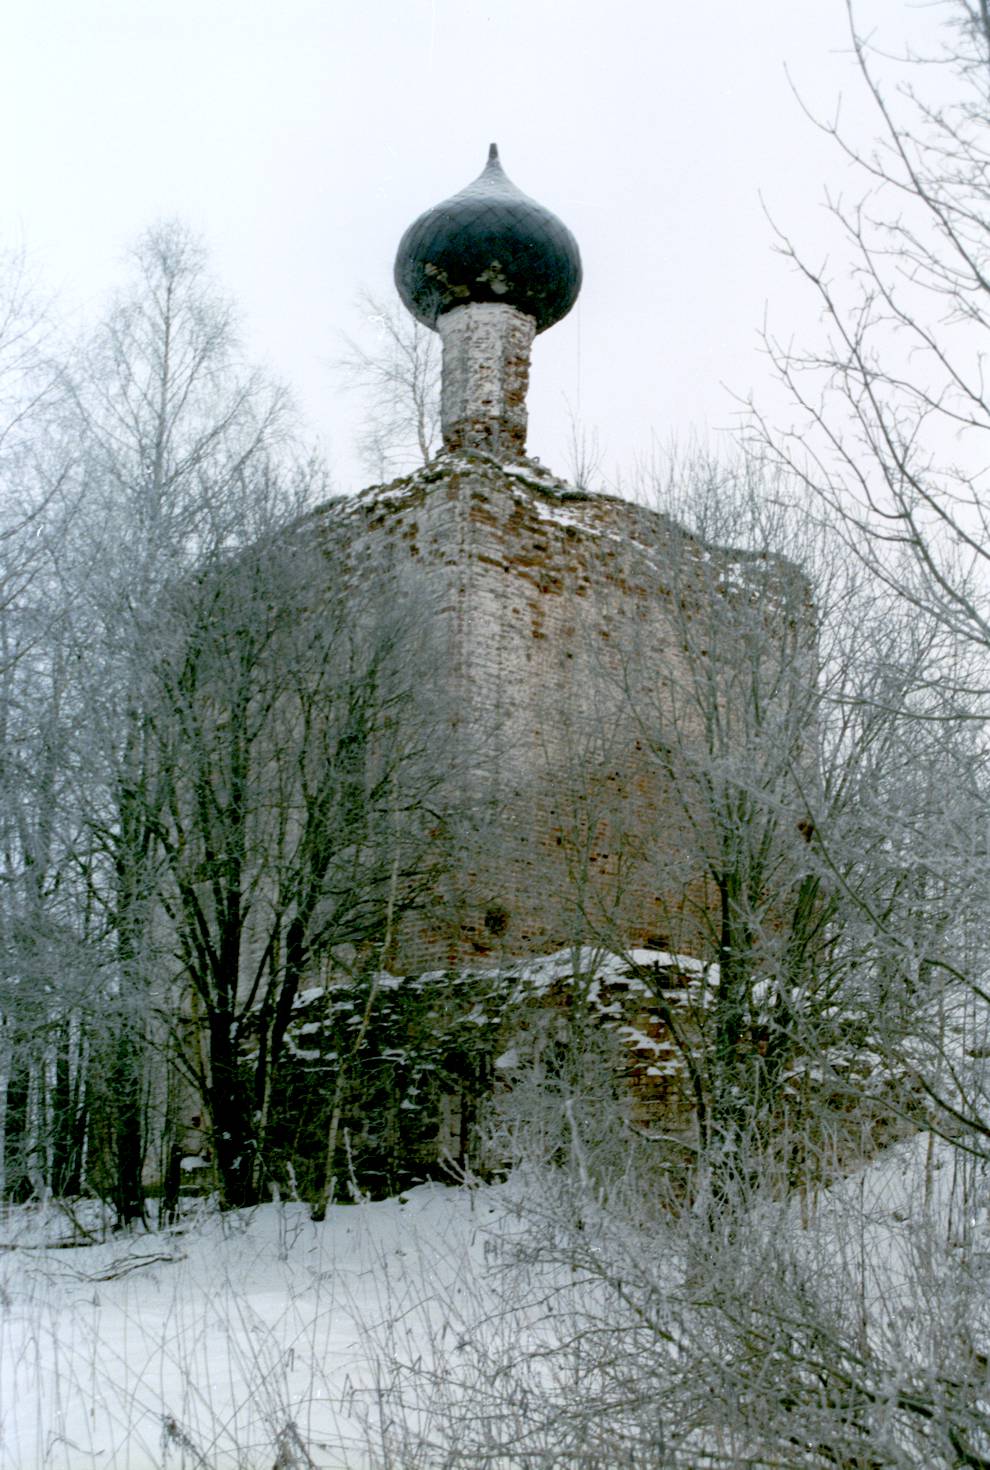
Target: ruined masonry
{"points": [[550, 609]]}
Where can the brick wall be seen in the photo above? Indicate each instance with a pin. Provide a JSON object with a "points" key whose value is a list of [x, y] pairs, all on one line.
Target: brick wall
{"points": [[557, 622]]}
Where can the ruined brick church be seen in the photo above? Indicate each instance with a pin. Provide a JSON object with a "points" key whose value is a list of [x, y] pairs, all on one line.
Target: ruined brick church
{"points": [[552, 610], [584, 665]]}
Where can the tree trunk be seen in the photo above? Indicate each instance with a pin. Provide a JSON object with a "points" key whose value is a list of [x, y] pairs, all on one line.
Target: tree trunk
{"points": [[125, 1087]]}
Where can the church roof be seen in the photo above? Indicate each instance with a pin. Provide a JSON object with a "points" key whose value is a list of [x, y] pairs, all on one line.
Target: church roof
{"points": [[489, 243]]}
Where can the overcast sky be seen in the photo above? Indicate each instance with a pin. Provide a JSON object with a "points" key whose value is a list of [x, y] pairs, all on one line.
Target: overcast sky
{"points": [[301, 137]]}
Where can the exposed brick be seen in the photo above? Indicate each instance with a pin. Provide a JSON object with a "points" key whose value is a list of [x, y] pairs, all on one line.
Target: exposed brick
{"points": [[554, 771]]}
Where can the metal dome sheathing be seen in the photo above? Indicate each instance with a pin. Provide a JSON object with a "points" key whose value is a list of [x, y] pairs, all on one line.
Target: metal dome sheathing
{"points": [[490, 242]]}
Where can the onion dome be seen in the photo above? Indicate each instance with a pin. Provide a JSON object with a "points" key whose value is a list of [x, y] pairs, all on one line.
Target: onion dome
{"points": [[491, 243]]}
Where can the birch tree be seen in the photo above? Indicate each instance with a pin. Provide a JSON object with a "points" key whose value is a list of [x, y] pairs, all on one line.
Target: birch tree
{"points": [[179, 448], [44, 965]]}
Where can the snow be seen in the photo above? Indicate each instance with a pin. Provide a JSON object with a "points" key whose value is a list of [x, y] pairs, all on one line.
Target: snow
{"points": [[604, 968], [639, 1041], [561, 516], [214, 1344], [226, 1342], [219, 1335]]}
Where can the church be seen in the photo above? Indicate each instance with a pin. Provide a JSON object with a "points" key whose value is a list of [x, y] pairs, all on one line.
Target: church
{"points": [[569, 627], [596, 719]]}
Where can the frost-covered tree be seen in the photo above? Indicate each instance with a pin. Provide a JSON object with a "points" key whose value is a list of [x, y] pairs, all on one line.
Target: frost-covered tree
{"points": [[890, 422], [40, 925], [289, 811], [395, 364], [180, 455]]}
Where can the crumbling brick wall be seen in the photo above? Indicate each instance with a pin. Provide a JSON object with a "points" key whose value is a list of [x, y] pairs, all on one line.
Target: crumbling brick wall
{"points": [[552, 617]]}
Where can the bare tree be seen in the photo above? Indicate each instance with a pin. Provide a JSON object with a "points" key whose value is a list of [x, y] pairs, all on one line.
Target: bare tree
{"points": [[40, 919], [893, 407], [178, 457], [779, 735], [215, 754], [892, 418], [289, 805], [585, 454], [397, 367], [729, 730]]}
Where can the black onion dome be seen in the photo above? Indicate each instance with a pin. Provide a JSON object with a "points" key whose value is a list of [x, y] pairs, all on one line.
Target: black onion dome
{"points": [[490, 242]]}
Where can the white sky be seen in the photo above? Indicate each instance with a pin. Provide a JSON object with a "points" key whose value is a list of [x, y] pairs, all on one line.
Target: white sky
{"points": [[301, 137]]}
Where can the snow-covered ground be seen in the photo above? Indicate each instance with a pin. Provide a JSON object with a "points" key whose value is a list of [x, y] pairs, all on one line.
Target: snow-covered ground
{"points": [[216, 1345], [259, 1339]]}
